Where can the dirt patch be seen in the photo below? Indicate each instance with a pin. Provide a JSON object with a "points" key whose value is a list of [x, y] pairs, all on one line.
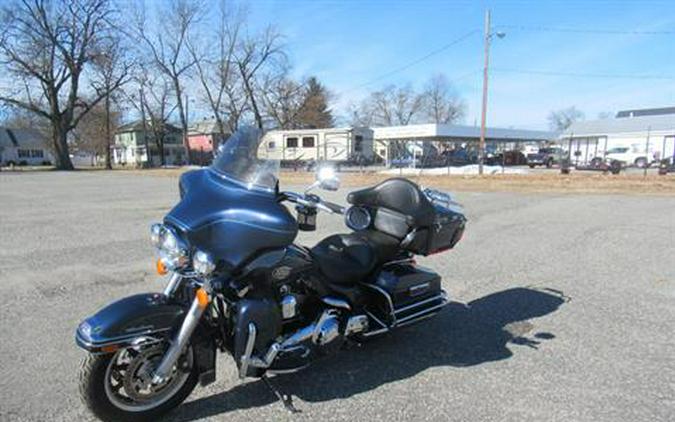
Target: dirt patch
{"points": [[591, 183]]}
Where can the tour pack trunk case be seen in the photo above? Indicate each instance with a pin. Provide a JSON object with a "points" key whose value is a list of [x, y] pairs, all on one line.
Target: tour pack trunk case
{"points": [[445, 231]]}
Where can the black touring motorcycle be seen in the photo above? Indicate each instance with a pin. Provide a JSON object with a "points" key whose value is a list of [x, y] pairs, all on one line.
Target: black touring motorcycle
{"points": [[237, 283]]}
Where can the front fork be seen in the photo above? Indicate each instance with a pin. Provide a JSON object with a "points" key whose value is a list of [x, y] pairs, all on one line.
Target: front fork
{"points": [[180, 340]]}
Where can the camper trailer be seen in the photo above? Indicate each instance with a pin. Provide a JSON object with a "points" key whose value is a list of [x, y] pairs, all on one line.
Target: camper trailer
{"points": [[338, 145]]}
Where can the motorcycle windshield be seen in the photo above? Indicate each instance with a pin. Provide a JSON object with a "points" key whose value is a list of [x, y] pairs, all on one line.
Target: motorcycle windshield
{"points": [[244, 159]]}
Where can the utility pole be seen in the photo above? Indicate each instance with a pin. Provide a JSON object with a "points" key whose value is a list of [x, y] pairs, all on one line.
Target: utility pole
{"points": [[186, 140], [483, 115], [488, 38], [148, 157]]}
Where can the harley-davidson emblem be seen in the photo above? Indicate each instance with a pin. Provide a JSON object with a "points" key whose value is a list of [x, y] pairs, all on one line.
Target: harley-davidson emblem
{"points": [[281, 273]]}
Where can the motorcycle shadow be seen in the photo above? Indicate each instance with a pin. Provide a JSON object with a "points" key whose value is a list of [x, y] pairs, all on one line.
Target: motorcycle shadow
{"points": [[460, 336]]}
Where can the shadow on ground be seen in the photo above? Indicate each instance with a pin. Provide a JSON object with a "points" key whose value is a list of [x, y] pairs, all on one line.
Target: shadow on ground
{"points": [[460, 336]]}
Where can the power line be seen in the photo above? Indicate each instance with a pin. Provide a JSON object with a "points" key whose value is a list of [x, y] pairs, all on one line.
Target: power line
{"points": [[583, 75], [539, 28], [414, 62]]}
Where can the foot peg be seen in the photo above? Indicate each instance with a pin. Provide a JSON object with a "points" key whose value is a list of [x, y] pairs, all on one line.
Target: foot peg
{"points": [[286, 399]]}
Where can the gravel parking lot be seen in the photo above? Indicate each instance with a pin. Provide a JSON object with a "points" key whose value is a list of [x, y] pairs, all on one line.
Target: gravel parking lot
{"points": [[563, 310]]}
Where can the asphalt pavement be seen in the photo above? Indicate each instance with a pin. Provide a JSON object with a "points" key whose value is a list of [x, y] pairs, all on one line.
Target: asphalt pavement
{"points": [[563, 310]]}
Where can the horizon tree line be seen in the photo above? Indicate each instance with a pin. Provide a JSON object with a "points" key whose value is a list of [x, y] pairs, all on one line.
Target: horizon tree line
{"points": [[79, 66]]}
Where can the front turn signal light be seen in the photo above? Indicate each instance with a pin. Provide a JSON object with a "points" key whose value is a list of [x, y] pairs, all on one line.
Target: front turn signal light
{"points": [[202, 297], [161, 267]]}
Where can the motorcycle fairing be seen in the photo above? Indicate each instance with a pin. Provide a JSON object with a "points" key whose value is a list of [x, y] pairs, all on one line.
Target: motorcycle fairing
{"points": [[230, 220]]}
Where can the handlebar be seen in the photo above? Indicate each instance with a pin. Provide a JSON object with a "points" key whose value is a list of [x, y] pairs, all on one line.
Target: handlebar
{"points": [[313, 201]]}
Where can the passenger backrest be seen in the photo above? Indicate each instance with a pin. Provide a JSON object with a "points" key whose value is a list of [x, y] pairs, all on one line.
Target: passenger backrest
{"points": [[399, 205]]}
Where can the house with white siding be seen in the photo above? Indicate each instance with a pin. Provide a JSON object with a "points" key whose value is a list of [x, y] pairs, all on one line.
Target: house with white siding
{"points": [[23, 147]]}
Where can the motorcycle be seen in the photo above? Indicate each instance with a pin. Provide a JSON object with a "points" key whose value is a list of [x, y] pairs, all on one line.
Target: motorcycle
{"points": [[238, 284]]}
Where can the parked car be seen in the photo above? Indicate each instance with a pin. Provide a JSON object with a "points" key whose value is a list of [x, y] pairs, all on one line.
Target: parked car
{"points": [[630, 155], [546, 157]]}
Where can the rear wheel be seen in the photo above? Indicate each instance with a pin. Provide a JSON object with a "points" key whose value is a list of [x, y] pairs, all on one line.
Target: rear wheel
{"points": [[118, 387], [531, 166]]}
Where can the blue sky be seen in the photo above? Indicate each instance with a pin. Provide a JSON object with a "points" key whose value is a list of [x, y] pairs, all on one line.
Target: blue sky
{"points": [[349, 43]]}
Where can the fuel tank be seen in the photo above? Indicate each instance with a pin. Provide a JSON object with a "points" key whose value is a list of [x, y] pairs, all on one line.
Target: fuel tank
{"points": [[228, 219]]}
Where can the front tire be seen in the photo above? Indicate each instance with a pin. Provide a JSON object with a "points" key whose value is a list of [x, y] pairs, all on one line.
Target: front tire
{"points": [[95, 392]]}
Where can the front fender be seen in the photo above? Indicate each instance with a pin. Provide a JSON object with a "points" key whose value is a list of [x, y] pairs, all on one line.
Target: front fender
{"points": [[116, 325]]}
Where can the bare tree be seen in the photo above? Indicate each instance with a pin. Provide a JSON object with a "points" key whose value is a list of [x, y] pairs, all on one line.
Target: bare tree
{"points": [[561, 120], [92, 134], [217, 71], [392, 105], [168, 49], [441, 103], [283, 99], [112, 69], [257, 55], [159, 108], [47, 45]]}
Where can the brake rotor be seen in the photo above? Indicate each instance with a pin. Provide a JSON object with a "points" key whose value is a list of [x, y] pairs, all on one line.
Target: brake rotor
{"points": [[138, 376]]}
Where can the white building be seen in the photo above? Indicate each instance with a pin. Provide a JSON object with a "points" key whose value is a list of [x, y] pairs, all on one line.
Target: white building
{"points": [[639, 135], [333, 144], [23, 147]]}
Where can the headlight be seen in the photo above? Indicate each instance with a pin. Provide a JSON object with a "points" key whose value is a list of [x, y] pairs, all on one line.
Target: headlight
{"points": [[156, 231], [172, 249], [203, 263]]}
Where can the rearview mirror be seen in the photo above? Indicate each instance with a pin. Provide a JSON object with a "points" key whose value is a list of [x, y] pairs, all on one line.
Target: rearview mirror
{"points": [[327, 179]]}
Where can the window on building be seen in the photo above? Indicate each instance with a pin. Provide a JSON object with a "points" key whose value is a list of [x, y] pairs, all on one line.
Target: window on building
{"points": [[23, 153], [271, 145], [291, 142], [358, 143], [308, 142], [36, 153]]}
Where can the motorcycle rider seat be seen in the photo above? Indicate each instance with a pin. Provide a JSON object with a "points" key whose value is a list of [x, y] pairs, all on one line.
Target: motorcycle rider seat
{"points": [[349, 258]]}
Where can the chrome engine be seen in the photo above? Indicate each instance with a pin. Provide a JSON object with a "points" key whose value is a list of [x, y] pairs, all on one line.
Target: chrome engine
{"points": [[324, 334]]}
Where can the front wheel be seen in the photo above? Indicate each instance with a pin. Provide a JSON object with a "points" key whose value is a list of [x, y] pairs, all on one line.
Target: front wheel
{"points": [[641, 162], [118, 387]]}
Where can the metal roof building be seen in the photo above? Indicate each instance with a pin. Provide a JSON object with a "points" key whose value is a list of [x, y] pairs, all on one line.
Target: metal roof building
{"points": [[648, 135], [446, 132]]}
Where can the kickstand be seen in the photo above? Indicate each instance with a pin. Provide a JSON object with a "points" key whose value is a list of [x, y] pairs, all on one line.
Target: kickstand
{"points": [[286, 399]]}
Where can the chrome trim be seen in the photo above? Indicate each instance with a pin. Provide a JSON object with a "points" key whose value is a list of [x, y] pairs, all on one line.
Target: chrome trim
{"points": [[179, 342], [399, 261], [376, 332], [248, 351], [376, 319], [299, 336], [356, 324], [171, 285], [409, 319], [119, 341], [388, 297], [420, 313], [287, 371], [420, 303], [350, 224], [288, 306], [336, 303]]}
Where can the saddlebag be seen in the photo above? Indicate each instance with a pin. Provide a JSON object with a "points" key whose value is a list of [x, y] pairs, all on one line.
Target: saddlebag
{"points": [[415, 293]]}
